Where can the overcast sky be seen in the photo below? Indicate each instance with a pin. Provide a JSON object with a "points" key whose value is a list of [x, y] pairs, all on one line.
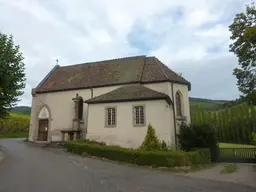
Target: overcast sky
{"points": [[191, 37]]}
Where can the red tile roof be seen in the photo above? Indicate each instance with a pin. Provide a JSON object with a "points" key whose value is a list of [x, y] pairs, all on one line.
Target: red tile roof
{"points": [[138, 69]]}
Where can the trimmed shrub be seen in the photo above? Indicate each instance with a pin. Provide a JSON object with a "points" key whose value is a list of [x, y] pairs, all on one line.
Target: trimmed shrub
{"points": [[139, 157], [197, 136], [151, 141], [94, 142]]}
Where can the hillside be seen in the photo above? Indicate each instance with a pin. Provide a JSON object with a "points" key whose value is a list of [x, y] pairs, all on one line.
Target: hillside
{"points": [[25, 110], [206, 103], [194, 102]]}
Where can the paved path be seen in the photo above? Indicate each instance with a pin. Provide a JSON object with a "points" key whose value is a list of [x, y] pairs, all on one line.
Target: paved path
{"points": [[26, 168]]}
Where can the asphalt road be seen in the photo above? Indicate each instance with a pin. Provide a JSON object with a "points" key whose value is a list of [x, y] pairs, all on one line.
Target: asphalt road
{"points": [[26, 168]]}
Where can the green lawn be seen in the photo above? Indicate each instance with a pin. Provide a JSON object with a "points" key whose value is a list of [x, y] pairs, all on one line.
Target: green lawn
{"points": [[14, 135], [231, 145]]}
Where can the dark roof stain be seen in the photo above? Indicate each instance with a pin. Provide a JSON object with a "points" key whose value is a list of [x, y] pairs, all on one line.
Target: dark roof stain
{"points": [[129, 70], [134, 92]]}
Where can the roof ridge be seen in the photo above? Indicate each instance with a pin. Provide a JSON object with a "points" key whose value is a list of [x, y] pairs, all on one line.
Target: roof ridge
{"points": [[158, 63], [105, 61]]}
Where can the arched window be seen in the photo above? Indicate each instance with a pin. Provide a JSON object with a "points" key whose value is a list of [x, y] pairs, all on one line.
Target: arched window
{"points": [[178, 104], [80, 108]]}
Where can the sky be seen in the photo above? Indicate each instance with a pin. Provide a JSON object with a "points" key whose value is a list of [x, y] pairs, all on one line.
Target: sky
{"points": [[190, 37]]}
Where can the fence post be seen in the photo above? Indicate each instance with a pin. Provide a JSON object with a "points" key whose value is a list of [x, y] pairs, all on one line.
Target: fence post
{"points": [[215, 152]]}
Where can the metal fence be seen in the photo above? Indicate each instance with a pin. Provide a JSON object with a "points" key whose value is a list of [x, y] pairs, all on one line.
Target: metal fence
{"points": [[236, 155]]}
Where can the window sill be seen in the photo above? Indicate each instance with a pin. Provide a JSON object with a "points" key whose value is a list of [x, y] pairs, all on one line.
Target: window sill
{"points": [[139, 125], [110, 126]]}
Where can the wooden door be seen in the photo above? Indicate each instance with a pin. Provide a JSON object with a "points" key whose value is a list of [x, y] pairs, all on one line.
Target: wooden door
{"points": [[43, 130]]}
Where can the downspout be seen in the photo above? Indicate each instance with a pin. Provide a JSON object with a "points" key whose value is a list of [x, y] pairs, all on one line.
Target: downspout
{"points": [[174, 118]]}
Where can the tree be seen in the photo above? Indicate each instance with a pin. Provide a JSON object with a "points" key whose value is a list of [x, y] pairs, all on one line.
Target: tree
{"points": [[151, 141], [195, 136], [243, 31], [12, 76]]}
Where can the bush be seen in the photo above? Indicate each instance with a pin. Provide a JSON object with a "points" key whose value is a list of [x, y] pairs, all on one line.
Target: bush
{"points": [[197, 136], [253, 138], [151, 141], [139, 157], [164, 146]]}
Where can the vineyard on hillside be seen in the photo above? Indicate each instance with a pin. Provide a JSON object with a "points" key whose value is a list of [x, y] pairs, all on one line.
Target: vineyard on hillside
{"points": [[233, 125], [15, 123]]}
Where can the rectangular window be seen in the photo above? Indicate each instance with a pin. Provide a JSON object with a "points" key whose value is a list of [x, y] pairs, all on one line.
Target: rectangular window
{"points": [[111, 117], [139, 115]]}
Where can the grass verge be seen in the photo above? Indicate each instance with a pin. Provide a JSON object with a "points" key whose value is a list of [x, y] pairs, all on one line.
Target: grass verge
{"points": [[231, 168], [14, 135], [194, 168]]}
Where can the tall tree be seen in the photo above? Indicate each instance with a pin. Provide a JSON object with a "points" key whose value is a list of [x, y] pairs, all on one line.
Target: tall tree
{"points": [[12, 75], [243, 31]]}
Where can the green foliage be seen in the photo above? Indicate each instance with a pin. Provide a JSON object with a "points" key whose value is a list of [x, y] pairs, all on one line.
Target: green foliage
{"points": [[233, 103], [140, 157], [14, 123], [253, 138], [243, 36], [232, 125], [151, 141], [196, 136], [94, 142], [164, 146], [12, 75]]}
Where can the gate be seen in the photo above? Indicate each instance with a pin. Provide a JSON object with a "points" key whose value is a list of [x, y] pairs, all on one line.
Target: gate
{"points": [[236, 155]]}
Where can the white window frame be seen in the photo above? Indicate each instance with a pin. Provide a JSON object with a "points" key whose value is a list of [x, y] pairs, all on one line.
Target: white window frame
{"points": [[139, 115], [110, 112]]}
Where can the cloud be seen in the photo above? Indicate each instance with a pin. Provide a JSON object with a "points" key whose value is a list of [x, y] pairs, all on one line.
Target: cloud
{"points": [[191, 37]]}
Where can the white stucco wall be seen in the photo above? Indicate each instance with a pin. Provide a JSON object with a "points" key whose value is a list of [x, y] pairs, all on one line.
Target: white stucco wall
{"points": [[61, 109], [160, 87], [158, 113], [167, 89]]}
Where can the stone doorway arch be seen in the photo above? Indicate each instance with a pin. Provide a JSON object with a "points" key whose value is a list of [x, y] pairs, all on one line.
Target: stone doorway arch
{"points": [[43, 118]]}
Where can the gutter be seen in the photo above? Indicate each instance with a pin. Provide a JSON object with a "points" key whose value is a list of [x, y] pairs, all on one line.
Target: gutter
{"points": [[174, 118]]}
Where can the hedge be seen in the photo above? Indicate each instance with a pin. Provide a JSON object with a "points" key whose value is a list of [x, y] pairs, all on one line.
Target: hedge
{"points": [[139, 157]]}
